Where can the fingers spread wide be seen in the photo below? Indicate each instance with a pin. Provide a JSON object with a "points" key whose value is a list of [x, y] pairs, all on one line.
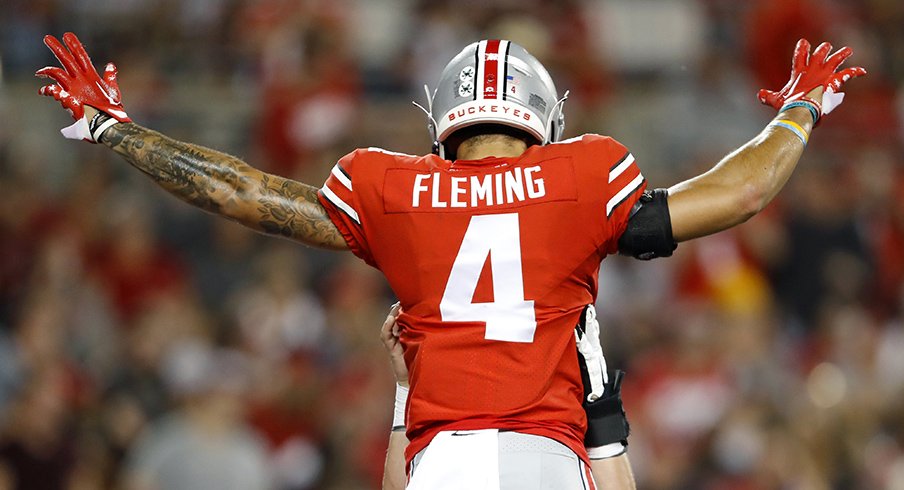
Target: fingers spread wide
{"points": [[843, 76], [110, 74], [801, 55], [65, 58], [838, 57], [51, 91], [78, 51], [54, 73], [821, 53]]}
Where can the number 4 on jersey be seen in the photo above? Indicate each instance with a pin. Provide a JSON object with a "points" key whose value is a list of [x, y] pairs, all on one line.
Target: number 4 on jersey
{"points": [[509, 318]]}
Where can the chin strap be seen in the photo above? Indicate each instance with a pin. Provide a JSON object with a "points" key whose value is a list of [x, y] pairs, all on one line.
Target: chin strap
{"points": [[431, 121]]}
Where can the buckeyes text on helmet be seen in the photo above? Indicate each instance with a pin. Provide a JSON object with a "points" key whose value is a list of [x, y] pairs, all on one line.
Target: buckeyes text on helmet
{"points": [[495, 82]]}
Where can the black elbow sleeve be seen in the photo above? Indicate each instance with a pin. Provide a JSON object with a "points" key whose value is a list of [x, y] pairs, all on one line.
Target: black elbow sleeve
{"points": [[649, 231]]}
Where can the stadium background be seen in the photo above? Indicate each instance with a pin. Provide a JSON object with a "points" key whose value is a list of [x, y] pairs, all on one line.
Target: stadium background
{"points": [[138, 335]]}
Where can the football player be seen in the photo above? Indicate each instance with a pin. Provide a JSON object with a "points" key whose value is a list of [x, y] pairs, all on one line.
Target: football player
{"points": [[492, 243]]}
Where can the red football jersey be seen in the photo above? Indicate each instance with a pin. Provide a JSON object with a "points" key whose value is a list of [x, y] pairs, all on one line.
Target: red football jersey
{"points": [[493, 261]]}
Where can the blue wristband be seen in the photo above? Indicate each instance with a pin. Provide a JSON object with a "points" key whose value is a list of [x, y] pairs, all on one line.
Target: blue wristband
{"points": [[802, 103]]}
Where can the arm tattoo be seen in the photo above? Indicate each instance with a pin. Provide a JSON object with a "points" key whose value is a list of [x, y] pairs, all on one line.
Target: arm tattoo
{"points": [[224, 185]]}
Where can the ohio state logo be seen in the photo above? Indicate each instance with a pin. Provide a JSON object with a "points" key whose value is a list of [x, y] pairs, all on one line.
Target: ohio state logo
{"points": [[489, 109]]}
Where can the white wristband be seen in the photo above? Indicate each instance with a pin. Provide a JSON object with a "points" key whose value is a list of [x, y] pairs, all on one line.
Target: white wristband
{"points": [[398, 413], [96, 134], [607, 451]]}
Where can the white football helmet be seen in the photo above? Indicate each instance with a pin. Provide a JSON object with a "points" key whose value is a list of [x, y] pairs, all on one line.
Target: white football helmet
{"points": [[494, 82]]}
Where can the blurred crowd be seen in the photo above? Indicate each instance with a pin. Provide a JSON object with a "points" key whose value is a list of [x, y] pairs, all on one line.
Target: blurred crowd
{"points": [[145, 345]]}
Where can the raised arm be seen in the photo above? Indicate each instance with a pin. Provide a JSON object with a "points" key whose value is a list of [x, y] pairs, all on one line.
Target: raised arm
{"points": [[211, 180], [746, 180], [741, 184], [222, 184]]}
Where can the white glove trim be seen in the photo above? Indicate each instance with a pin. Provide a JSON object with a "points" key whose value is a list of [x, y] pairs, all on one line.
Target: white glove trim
{"points": [[589, 347], [78, 130], [831, 100]]}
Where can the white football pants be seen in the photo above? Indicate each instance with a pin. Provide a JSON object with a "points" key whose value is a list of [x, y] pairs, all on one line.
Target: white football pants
{"points": [[494, 460]]}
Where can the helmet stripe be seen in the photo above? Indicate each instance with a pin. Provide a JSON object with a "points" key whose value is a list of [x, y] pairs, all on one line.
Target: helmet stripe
{"points": [[491, 70], [500, 67], [505, 69], [480, 67]]}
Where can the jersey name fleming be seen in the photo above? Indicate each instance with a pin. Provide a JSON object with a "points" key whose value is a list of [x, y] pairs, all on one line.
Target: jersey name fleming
{"points": [[502, 187], [512, 186]]}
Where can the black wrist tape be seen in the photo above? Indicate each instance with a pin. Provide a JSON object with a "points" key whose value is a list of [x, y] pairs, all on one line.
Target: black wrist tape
{"points": [[100, 123], [606, 419]]}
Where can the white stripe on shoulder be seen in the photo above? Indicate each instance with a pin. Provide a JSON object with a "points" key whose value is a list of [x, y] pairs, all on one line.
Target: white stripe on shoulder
{"points": [[339, 203], [574, 139], [621, 167], [624, 193], [341, 177], [390, 152]]}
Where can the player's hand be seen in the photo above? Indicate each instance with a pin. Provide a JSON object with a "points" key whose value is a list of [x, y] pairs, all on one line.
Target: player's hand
{"points": [[78, 85], [389, 334], [607, 425], [813, 71]]}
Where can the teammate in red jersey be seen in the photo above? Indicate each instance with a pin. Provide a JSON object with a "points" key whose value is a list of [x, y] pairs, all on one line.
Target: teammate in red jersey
{"points": [[492, 244]]}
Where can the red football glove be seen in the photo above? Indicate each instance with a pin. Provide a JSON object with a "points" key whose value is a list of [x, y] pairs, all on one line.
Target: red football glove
{"points": [[78, 84], [811, 71]]}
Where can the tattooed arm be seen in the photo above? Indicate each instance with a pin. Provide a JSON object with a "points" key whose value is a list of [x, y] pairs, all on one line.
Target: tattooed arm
{"points": [[222, 184], [213, 181]]}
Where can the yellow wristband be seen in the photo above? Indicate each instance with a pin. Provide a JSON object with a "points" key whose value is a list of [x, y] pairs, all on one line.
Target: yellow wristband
{"points": [[794, 128]]}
